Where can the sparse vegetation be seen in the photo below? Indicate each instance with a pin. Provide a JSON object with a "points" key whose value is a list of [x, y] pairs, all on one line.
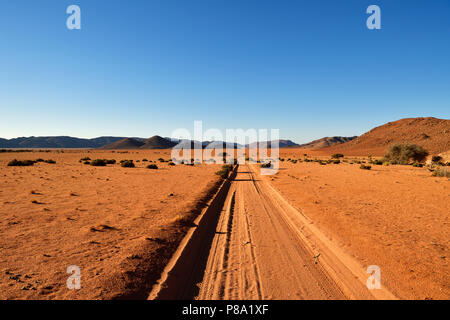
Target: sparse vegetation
{"points": [[21, 163], [19, 150], [441, 172], [223, 173], [50, 161], [127, 164], [337, 155], [365, 167], [266, 165], [98, 163], [404, 153], [152, 166], [436, 159], [376, 162]]}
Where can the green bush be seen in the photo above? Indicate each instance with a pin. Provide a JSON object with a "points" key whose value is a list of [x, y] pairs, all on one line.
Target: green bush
{"points": [[337, 155], [152, 166], [364, 167], [111, 161], [404, 153], [417, 165], [21, 163], [128, 164]]}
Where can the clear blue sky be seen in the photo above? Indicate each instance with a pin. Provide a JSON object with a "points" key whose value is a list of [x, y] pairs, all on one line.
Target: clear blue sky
{"points": [[139, 68]]}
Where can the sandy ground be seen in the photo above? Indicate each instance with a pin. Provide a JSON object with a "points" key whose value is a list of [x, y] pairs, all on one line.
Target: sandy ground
{"points": [[260, 247], [116, 224], [308, 232], [396, 217]]}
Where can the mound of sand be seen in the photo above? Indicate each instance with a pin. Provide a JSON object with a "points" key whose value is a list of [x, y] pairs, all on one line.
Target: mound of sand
{"points": [[431, 133]]}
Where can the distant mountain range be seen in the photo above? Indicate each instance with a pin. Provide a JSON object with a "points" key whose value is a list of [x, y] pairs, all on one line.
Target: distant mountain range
{"points": [[119, 143], [57, 142], [431, 133]]}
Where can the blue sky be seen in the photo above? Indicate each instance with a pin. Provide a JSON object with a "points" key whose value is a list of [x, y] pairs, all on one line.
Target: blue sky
{"points": [[145, 67]]}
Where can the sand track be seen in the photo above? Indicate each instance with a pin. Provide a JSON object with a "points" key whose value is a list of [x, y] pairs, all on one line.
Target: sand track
{"points": [[263, 248]]}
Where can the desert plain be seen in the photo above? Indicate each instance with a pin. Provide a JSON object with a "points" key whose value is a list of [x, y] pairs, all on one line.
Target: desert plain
{"points": [[121, 226]]}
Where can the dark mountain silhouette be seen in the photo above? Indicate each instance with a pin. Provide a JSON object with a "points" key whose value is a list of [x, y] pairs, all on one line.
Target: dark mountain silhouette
{"points": [[157, 142], [281, 144], [127, 143], [326, 142], [56, 142]]}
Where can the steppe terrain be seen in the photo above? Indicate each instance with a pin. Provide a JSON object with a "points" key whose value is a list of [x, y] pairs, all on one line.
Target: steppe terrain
{"points": [[119, 225], [396, 217], [308, 232]]}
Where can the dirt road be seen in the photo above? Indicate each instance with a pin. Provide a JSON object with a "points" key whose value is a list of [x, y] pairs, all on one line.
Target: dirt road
{"points": [[263, 248]]}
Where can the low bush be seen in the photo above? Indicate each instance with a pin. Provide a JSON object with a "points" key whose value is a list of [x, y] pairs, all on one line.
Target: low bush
{"points": [[50, 161], [85, 159], [404, 153], [111, 161], [365, 167], [128, 164], [223, 173], [441, 172], [376, 162], [21, 163], [266, 165], [98, 163], [337, 155], [436, 160], [152, 166]]}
